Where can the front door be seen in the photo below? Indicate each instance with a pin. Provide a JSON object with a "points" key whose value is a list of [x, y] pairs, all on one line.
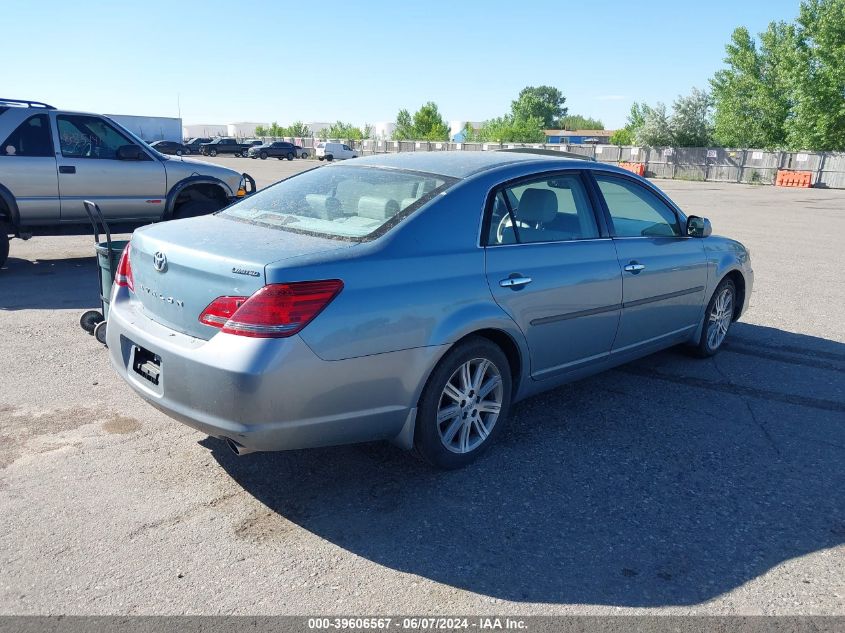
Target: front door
{"points": [[89, 169], [664, 272], [28, 167], [552, 271]]}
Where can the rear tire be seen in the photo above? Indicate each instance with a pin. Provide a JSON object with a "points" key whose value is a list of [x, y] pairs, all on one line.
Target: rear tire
{"points": [[304, 155], [329, 157], [464, 404], [320, 158], [178, 152], [4, 248], [717, 319]]}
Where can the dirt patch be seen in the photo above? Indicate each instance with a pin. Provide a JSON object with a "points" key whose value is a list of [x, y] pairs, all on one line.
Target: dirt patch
{"points": [[121, 425], [263, 526]]}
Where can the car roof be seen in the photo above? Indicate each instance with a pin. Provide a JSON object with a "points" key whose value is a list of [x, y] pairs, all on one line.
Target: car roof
{"points": [[462, 164]]}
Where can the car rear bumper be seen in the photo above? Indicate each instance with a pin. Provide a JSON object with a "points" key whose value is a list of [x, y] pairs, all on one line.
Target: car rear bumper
{"points": [[267, 394]]}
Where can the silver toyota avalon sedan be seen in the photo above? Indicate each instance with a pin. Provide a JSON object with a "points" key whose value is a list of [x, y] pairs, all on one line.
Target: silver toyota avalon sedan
{"points": [[413, 298]]}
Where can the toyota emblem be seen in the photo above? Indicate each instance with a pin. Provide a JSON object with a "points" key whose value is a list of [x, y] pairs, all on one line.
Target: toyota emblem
{"points": [[160, 261]]}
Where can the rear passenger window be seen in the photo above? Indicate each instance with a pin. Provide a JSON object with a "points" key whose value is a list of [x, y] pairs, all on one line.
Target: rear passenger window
{"points": [[31, 138], [554, 209], [635, 211]]}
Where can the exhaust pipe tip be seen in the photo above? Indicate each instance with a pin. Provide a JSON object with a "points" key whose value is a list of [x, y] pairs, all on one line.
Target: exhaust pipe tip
{"points": [[236, 447]]}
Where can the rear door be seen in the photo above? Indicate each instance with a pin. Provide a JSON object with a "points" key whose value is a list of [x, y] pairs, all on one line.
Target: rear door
{"points": [[90, 170], [554, 271], [664, 272], [28, 169]]}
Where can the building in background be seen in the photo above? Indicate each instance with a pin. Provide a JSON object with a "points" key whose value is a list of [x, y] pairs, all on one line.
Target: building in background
{"points": [[205, 130], [383, 130], [579, 137], [317, 127], [150, 128], [244, 129]]}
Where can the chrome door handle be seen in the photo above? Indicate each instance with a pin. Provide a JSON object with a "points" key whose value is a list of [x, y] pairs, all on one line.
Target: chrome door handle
{"points": [[634, 267], [515, 282]]}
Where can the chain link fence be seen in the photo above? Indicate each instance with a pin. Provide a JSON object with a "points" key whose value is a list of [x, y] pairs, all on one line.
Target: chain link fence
{"points": [[750, 166]]}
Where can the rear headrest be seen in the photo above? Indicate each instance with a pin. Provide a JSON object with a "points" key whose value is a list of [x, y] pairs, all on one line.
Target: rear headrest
{"points": [[537, 206], [377, 208]]}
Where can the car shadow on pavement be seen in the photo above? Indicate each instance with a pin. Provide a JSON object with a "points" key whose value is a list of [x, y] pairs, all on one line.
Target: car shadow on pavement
{"points": [[57, 284], [668, 481]]}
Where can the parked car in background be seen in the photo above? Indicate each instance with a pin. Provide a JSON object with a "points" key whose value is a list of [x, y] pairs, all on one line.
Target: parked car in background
{"points": [[252, 142], [194, 144], [276, 149], [334, 151], [170, 147], [300, 151], [224, 145], [51, 160], [414, 297]]}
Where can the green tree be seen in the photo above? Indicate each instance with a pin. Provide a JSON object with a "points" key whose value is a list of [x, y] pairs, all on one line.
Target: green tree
{"points": [[691, 122], [817, 118], [752, 95], [636, 118], [655, 131], [622, 137], [367, 130], [404, 126], [298, 129], [260, 130], [508, 129], [429, 124], [579, 122], [543, 102], [425, 125], [342, 131]]}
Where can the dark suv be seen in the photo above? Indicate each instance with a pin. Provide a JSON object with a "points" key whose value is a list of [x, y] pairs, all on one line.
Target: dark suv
{"points": [[277, 149]]}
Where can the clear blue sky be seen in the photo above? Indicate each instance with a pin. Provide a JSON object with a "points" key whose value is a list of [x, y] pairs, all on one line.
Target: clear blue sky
{"points": [[250, 60]]}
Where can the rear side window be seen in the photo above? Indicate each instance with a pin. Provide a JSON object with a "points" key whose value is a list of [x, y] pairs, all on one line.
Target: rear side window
{"points": [[343, 202], [635, 211], [554, 209], [31, 138]]}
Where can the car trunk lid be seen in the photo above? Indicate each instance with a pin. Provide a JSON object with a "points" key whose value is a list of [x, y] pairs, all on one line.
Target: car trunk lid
{"points": [[180, 267]]}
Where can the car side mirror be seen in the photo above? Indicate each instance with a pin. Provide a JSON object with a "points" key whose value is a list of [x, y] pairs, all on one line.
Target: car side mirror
{"points": [[698, 227], [129, 152]]}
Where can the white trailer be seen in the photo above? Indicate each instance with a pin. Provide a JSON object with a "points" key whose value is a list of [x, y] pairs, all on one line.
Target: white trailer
{"points": [[151, 128]]}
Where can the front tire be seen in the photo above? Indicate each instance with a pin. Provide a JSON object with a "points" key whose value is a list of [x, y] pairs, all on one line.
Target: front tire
{"points": [[263, 155], [290, 156], [717, 319], [464, 404], [213, 153]]}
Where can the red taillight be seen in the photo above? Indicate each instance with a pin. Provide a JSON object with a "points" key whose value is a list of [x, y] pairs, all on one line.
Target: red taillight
{"points": [[123, 274], [275, 311]]}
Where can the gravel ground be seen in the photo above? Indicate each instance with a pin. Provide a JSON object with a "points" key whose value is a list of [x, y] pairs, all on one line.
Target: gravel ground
{"points": [[670, 485]]}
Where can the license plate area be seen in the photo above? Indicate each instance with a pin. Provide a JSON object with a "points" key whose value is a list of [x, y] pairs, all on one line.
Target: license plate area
{"points": [[146, 364]]}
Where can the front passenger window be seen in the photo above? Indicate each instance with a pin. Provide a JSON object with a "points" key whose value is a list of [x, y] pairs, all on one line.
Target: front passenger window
{"points": [[89, 137], [635, 211]]}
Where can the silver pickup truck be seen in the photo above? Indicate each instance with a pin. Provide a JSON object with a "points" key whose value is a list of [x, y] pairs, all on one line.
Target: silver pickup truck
{"points": [[51, 160]]}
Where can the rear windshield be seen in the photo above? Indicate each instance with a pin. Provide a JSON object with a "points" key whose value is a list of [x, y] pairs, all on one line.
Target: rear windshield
{"points": [[340, 201]]}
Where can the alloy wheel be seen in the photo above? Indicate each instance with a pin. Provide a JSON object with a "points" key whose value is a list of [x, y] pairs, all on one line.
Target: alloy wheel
{"points": [[720, 318], [470, 405]]}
